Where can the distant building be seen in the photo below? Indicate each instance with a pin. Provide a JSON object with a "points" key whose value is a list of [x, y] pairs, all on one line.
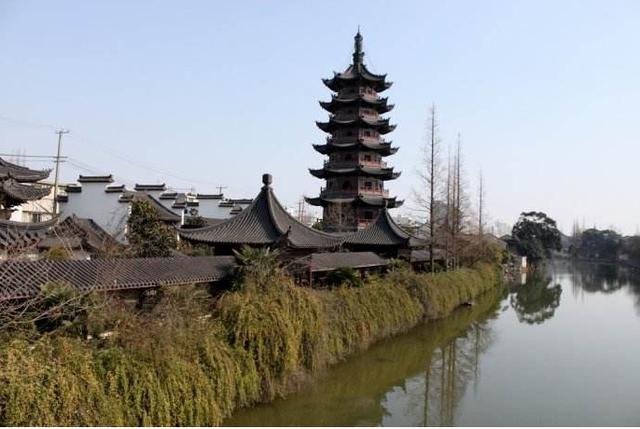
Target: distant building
{"points": [[354, 194], [108, 205]]}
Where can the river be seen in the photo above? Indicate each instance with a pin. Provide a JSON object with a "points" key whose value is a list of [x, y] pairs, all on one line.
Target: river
{"points": [[562, 349]]}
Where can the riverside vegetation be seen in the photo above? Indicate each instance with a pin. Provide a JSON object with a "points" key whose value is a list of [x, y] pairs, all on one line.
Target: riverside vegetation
{"points": [[191, 360]]}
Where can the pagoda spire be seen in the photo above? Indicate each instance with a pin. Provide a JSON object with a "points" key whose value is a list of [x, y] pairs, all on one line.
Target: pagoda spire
{"points": [[358, 54]]}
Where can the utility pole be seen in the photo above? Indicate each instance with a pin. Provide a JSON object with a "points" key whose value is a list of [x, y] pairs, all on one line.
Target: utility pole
{"points": [[60, 132], [220, 188]]}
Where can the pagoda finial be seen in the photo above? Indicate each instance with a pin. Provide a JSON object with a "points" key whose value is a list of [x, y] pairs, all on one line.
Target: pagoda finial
{"points": [[267, 179], [358, 55]]}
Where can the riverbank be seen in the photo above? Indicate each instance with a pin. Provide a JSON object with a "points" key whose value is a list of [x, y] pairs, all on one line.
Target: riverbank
{"points": [[193, 361]]}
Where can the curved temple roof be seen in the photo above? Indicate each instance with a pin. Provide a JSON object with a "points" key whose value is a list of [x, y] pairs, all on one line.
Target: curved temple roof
{"points": [[381, 125], [384, 232], [21, 192], [357, 73], [264, 222], [360, 200], [20, 173], [381, 173], [337, 102], [383, 149]]}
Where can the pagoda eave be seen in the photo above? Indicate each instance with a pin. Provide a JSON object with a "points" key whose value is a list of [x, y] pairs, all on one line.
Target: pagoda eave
{"points": [[357, 201], [382, 149], [380, 105], [379, 173], [382, 125]]}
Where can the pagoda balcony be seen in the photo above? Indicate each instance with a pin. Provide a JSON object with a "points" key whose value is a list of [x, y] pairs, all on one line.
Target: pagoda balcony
{"points": [[355, 163], [372, 140], [375, 116], [352, 193], [371, 117]]}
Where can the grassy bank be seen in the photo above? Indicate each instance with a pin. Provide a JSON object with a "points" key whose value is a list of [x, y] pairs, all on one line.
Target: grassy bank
{"points": [[192, 361]]}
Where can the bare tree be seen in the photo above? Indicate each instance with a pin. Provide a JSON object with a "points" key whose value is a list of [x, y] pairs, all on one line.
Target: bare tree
{"points": [[430, 178], [459, 209], [481, 196]]}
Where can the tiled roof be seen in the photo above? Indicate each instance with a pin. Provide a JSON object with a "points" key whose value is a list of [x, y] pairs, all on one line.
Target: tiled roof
{"points": [[23, 279], [91, 235], [95, 179], [317, 262], [209, 196], [20, 173], [264, 222], [152, 187], [164, 214], [384, 232], [21, 235], [24, 192]]}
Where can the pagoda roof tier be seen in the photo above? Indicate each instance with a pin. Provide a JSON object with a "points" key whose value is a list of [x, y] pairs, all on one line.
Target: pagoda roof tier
{"points": [[24, 192], [384, 149], [384, 232], [378, 104], [384, 173], [359, 200], [381, 125], [264, 222], [20, 173], [357, 74]]}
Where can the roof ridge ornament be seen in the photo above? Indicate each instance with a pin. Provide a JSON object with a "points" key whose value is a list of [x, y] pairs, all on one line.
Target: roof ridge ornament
{"points": [[267, 180]]}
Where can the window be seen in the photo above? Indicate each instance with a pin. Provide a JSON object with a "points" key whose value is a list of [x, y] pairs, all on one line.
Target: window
{"points": [[346, 186], [368, 185], [367, 157], [347, 157], [36, 217], [368, 215]]}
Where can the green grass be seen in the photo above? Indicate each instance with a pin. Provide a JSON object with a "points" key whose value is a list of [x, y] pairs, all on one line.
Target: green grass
{"points": [[192, 361]]}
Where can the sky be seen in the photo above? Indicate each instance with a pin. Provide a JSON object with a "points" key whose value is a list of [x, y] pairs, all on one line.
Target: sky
{"points": [[201, 94]]}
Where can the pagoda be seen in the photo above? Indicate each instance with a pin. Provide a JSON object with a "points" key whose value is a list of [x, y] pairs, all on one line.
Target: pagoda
{"points": [[354, 193]]}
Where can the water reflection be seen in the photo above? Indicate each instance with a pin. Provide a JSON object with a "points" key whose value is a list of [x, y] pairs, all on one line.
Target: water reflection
{"points": [[449, 371], [488, 366], [535, 301], [439, 357]]}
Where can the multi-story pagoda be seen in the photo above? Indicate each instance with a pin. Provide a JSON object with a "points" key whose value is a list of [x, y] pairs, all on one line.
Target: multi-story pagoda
{"points": [[18, 185], [355, 172]]}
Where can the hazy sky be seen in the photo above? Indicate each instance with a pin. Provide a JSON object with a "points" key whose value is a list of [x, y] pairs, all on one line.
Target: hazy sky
{"points": [[545, 93]]}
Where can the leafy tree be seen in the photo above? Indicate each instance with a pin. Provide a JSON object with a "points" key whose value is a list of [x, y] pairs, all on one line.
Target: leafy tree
{"points": [[346, 276], [597, 244], [258, 264], [147, 235], [535, 235], [632, 248]]}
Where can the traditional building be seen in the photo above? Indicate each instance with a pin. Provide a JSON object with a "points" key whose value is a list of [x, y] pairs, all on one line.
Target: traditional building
{"points": [[19, 185], [384, 237], [355, 172], [108, 204], [265, 223]]}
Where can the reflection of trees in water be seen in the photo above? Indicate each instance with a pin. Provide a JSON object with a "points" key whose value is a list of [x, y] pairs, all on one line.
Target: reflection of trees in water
{"points": [[449, 371], [535, 302], [605, 278], [596, 277]]}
